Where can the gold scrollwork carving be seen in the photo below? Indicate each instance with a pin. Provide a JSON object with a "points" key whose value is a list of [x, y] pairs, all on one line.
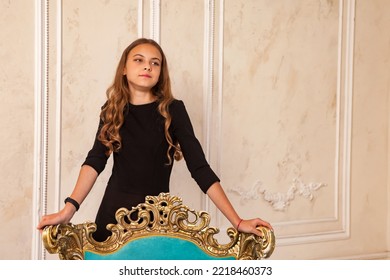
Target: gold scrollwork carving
{"points": [[162, 215], [66, 240]]}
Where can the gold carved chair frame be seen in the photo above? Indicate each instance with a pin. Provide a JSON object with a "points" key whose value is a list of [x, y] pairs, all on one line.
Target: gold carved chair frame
{"points": [[162, 215]]}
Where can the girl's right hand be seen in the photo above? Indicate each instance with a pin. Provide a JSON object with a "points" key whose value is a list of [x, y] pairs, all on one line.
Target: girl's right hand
{"points": [[62, 217]]}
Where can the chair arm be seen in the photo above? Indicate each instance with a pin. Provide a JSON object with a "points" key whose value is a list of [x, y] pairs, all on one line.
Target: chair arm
{"points": [[66, 240]]}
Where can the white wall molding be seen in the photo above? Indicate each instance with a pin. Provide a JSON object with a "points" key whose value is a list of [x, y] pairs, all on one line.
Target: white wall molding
{"points": [[40, 123], [58, 108], [208, 71], [375, 256], [140, 20], [155, 21], [279, 201], [208, 78], [348, 90], [219, 111]]}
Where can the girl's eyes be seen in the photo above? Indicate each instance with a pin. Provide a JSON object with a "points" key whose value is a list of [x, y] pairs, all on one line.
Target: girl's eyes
{"points": [[140, 60]]}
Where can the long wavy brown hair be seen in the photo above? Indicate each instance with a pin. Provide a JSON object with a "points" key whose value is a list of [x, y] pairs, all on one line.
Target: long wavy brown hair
{"points": [[118, 96]]}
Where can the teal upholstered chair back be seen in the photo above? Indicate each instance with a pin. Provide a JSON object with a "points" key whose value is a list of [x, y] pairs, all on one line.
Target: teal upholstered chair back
{"points": [[164, 229], [157, 248]]}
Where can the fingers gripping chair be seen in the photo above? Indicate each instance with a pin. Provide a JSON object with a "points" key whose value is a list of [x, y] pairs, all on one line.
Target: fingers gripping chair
{"points": [[164, 229]]}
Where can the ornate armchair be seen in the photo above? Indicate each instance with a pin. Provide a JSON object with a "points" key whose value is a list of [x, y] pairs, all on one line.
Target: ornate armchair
{"points": [[164, 229]]}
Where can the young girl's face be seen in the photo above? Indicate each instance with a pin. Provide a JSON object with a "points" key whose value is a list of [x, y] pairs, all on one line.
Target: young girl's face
{"points": [[143, 67]]}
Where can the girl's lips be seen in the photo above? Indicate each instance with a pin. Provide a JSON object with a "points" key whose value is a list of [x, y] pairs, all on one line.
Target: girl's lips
{"points": [[145, 75]]}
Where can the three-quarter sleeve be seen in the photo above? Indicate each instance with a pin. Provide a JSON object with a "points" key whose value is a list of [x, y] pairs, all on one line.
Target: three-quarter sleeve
{"points": [[182, 130], [96, 157]]}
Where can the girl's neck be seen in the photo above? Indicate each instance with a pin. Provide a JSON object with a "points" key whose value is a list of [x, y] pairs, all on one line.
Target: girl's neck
{"points": [[139, 98]]}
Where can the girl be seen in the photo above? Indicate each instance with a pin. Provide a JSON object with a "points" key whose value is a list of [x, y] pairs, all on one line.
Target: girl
{"points": [[145, 129]]}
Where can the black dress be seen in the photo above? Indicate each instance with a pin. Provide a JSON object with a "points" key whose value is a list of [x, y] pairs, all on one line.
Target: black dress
{"points": [[140, 167]]}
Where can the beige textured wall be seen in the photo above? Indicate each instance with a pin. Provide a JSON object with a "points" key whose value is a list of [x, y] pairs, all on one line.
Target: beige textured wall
{"points": [[371, 125], [291, 106], [17, 127]]}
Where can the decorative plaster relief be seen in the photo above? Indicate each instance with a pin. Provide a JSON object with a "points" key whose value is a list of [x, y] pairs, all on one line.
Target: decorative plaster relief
{"points": [[279, 201]]}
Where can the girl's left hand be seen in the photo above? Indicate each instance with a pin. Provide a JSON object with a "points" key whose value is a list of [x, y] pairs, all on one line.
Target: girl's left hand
{"points": [[250, 226]]}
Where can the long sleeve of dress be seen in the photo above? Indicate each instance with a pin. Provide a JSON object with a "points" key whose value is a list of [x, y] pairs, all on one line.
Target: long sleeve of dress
{"points": [[182, 130], [96, 157]]}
